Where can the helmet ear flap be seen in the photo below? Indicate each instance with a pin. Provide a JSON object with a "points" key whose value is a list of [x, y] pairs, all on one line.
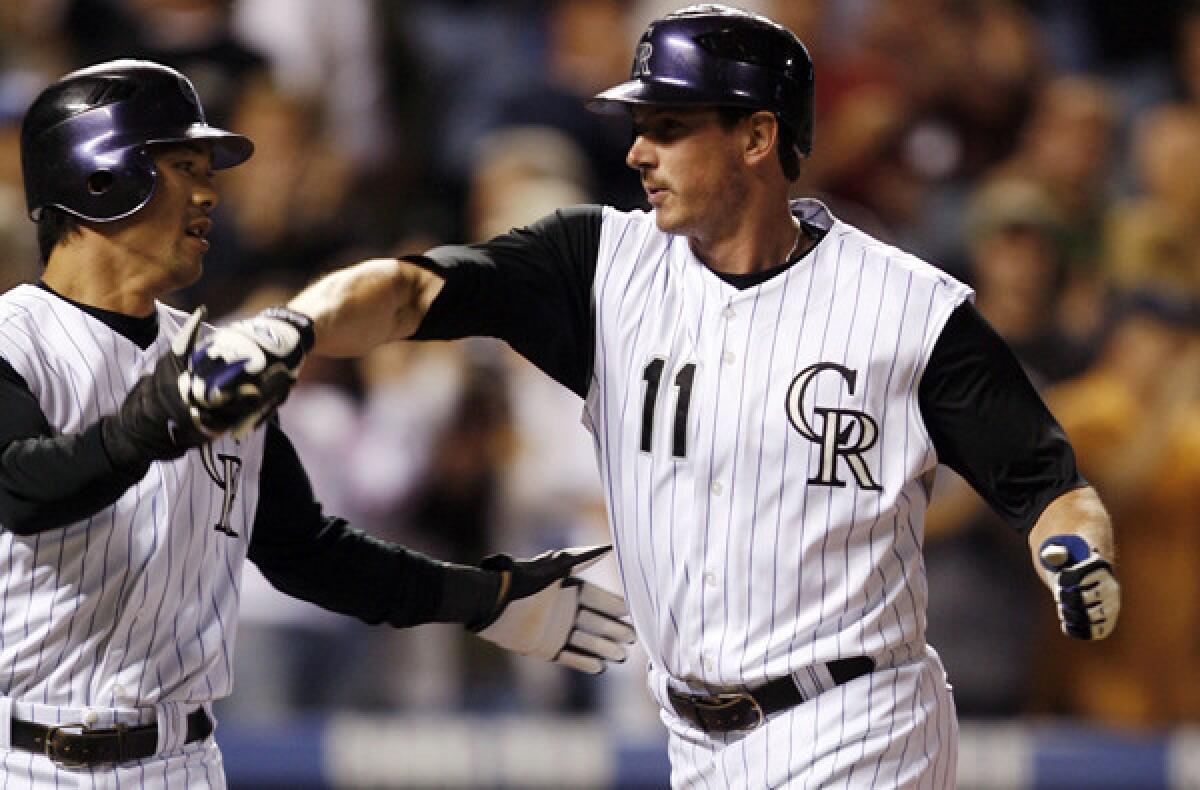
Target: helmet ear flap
{"points": [[101, 192]]}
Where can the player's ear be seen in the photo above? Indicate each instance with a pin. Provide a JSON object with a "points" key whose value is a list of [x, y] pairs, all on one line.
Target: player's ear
{"points": [[761, 136]]}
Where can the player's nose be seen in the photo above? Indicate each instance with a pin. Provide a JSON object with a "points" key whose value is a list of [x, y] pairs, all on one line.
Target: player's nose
{"points": [[204, 194], [641, 153]]}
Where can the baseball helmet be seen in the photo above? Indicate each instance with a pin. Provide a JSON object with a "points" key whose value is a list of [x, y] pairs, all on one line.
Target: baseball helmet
{"points": [[84, 138], [716, 55]]}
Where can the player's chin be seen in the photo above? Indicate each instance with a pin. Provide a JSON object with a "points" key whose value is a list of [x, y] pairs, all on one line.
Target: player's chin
{"points": [[667, 220], [187, 270]]}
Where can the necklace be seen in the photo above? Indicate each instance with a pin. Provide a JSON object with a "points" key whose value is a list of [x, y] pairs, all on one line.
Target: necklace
{"points": [[800, 234]]}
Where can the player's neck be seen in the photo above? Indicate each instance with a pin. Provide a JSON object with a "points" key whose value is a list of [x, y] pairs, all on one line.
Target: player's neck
{"points": [[94, 280], [760, 241]]}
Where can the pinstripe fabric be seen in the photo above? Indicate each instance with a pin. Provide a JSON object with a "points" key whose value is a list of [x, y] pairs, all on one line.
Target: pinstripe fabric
{"points": [[134, 606], [195, 767], [789, 533]]}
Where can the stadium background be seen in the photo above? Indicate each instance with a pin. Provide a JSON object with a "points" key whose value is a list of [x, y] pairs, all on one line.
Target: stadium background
{"points": [[1046, 151]]}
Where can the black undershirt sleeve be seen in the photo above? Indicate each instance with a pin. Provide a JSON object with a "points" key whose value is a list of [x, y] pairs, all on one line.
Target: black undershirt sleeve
{"points": [[48, 481], [531, 287], [988, 423], [324, 560]]}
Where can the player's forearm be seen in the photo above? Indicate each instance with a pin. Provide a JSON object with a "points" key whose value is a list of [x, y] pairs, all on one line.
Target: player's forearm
{"points": [[48, 482], [1078, 512], [372, 302]]}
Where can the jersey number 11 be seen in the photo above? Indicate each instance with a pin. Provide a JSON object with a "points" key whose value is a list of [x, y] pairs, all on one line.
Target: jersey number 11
{"points": [[652, 375]]}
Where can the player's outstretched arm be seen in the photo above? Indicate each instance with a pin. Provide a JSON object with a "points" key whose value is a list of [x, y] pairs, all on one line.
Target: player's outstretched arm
{"points": [[1073, 551], [246, 370], [359, 307], [544, 610]]}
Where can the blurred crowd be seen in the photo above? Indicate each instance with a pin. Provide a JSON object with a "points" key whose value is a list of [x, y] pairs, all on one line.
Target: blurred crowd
{"points": [[1045, 151]]}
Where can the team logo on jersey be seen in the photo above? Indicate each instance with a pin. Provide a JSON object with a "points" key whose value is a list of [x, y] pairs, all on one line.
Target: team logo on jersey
{"points": [[844, 434], [226, 471]]}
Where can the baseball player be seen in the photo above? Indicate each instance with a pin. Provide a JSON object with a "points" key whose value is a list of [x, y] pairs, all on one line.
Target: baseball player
{"points": [[132, 487], [769, 390]]}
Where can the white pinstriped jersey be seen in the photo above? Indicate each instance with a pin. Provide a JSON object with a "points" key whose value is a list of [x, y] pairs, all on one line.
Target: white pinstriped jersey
{"points": [[762, 451], [136, 605]]}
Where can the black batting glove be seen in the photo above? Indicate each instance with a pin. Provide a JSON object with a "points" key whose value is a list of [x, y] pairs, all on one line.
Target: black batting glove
{"points": [[545, 611], [155, 421]]}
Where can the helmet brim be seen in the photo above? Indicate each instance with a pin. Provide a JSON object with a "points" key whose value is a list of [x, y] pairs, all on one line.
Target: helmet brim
{"points": [[619, 97], [229, 149]]}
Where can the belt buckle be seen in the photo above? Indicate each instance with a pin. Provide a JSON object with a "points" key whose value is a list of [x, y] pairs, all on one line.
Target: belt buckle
{"points": [[718, 703], [50, 746]]}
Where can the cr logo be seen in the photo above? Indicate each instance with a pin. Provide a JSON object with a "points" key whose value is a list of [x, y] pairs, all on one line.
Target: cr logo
{"points": [[226, 476], [641, 62], [842, 433]]}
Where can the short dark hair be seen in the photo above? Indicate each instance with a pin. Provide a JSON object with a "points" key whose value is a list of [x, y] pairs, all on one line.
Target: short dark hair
{"points": [[789, 158], [53, 226]]}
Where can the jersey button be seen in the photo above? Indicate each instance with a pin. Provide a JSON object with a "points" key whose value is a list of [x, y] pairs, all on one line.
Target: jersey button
{"points": [[729, 313], [728, 357], [716, 488], [707, 663], [90, 717], [710, 578]]}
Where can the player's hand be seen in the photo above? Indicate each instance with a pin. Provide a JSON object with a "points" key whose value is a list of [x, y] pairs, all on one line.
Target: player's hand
{"points": [[241, 373], [155, 421], [547, 612], [1084, 587]]}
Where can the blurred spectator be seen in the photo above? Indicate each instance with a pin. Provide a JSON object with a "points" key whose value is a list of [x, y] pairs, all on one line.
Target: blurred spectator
{"points": [[521, 174], [19, 258], [289, 209], [1186, 63], [1017, 266], [329, 53], [1135, 423], [1068, 147], [927, 98], [586, 51], [35, 47], [456, 504], [194, 36], [1126, 43], [410, 396], [483, 49], [1166, 157]]}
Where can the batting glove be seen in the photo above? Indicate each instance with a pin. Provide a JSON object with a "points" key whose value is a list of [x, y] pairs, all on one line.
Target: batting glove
{"points": [[241, 373], [547, 612], [1087, 592], [155, 421]]}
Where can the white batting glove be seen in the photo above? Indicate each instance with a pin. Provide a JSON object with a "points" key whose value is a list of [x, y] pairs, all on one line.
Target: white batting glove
{"points": [[1084, 587], [241, 373], [545, 611]]}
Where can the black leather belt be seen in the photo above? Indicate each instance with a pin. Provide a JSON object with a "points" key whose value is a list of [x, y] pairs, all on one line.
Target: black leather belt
{"points": [[745, 710], [76, 745]]}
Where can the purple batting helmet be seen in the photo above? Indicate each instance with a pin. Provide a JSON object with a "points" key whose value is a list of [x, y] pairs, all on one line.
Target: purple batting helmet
{"points": [[83, 141], [716, 55]]}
